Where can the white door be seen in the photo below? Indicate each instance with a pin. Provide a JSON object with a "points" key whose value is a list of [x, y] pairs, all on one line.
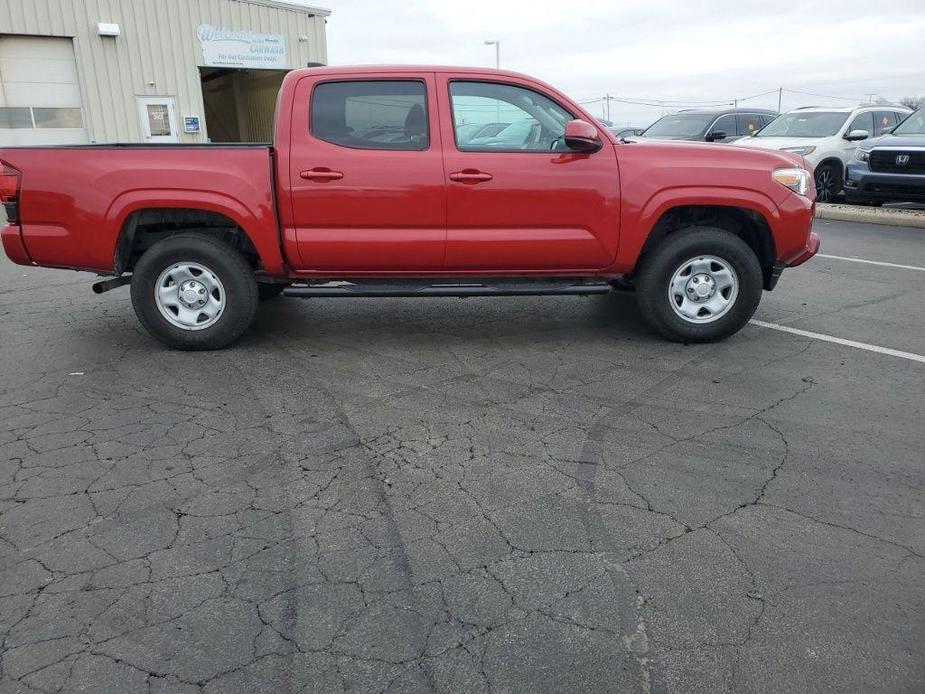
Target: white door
{"points": [[39, 92], [158, 119]]}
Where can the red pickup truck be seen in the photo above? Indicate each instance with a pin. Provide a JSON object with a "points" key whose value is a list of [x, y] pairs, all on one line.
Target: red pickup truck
{"points": [[414, 181]]}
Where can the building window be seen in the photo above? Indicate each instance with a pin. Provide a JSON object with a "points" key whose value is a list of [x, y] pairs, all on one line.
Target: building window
{"points": [[57, 118], [40, 117], [15, 118], [374, 114]]}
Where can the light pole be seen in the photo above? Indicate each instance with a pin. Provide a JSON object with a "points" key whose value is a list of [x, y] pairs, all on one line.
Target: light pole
{"points": [[497, 44]]}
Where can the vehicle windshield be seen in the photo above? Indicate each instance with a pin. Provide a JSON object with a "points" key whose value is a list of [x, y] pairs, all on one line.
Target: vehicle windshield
{"points": [[913, 125], [805, 124], [680, 125]]}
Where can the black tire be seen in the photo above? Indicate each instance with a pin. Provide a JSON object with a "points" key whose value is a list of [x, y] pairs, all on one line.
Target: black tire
{"points": [[232, 270], [829, 182], [658, 267], [270, 290]]}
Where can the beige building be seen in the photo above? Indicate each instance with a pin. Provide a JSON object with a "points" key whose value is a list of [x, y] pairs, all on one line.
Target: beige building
{"points": [[188, 71]]}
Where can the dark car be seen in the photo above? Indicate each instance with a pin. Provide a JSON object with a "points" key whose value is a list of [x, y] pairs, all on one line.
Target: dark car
{"points": [[890, 168], [710, 125]]}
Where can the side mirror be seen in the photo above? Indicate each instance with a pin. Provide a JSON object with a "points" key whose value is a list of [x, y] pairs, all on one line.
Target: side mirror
{"points": [[856, 135], [716, 135], [581, 136]]}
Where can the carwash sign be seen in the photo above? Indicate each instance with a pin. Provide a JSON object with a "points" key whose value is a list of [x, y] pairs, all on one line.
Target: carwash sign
{"points": [[226, 48]]}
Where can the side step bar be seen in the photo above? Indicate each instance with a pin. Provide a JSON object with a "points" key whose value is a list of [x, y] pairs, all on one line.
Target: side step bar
{"points": [[461, 288]]}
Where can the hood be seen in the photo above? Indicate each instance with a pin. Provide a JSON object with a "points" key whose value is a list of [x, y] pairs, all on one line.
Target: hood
{"points": [[775, 142], [893, 141], [728, 154]]}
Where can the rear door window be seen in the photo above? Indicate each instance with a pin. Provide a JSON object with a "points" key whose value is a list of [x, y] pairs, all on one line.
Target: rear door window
{"points": [[371, 114]]}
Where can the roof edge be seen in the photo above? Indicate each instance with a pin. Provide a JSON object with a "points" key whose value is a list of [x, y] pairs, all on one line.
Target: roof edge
{"points": [[293, 5]]}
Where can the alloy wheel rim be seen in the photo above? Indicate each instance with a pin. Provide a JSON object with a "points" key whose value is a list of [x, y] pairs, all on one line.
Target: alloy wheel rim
{"points": [[825, 181], [703, 289], [190, 296]]}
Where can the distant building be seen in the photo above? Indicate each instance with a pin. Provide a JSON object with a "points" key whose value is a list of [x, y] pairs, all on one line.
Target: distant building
{"points": [[188, 71]]}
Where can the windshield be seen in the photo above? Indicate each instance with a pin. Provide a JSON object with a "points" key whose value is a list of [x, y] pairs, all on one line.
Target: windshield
{"points": [[913, 125], [680, 125], [803, 124]]}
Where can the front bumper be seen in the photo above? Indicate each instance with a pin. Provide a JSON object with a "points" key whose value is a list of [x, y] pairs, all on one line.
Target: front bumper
{"points": [[864, 185]]}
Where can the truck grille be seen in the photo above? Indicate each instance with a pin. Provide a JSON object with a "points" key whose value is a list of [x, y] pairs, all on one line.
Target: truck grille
{"points": [[885, 161]]}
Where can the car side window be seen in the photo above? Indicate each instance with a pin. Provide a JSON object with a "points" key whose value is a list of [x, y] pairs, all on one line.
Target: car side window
{"points": [[371, 114], [749, 123], [726, 124], [883, 121], [531, 122], [865, 121]]}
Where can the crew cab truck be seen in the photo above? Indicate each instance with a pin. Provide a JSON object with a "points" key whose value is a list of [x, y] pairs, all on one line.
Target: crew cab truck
{"points": [[367, 191]]}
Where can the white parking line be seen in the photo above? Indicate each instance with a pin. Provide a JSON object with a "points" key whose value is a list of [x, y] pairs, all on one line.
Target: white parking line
{"points": [[840, 341], [871, 262]]}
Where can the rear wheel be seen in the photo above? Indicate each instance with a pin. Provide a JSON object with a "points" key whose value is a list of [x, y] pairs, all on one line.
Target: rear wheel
{"points": [[701, 284], [828, 182], [193, 292]]}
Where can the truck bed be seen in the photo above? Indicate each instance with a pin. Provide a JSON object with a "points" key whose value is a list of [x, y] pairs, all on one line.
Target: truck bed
{"points": [[76, 199]]}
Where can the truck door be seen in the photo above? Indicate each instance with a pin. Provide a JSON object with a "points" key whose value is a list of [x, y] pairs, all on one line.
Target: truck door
{"points": [[519, 199], [366, 175]]}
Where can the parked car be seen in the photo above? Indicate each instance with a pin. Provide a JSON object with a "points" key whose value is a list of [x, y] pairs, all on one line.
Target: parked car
{"points": [[826, 138], [202, 232], [622, 133], [890, 168], [468, 131], [523, 134], [709, 124]]}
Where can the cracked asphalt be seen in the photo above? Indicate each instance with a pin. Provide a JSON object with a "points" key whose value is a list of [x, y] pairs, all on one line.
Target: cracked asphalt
{"points": [[482, 495]]}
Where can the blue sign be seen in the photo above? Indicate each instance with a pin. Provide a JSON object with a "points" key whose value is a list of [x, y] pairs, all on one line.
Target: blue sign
{"points": [[191, 124]]}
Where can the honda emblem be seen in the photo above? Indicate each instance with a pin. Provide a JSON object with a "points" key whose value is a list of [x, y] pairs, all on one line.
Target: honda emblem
{"points": [[902, 160]]}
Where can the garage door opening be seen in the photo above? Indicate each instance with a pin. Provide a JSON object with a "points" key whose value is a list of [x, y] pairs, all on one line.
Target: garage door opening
{"points": [[39, 92], [240, 104]]}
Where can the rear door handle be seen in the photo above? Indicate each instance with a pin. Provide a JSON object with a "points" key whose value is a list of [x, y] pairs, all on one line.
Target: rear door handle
{"points": [[470, 176], [321, 174]]}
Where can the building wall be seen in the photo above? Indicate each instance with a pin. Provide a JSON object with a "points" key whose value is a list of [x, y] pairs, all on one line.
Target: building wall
{"points": [[157, 53]]}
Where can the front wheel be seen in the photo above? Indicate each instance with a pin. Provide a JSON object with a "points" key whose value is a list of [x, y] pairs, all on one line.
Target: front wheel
{"points": [[193, 292], [828, 182], [699, 285]]}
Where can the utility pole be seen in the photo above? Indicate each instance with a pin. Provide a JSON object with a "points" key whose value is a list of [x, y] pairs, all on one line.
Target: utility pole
{"points": [[780, 97], [607, 98], [497, 44]]}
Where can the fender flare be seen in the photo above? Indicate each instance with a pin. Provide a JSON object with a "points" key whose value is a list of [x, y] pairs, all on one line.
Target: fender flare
{"points": [[260, 229], [667, 199]]}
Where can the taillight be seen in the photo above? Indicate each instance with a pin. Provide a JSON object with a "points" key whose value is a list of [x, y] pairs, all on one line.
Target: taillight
{"points": [[10, 185]]}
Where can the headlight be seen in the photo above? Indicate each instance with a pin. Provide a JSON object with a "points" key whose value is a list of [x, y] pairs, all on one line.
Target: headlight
{"points": [[808, 149], [862, 154], [796, 180]]}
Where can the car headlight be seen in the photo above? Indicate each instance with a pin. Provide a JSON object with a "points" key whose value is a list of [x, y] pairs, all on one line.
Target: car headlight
{"points": [[808, 149], [796, 180], [862, 154]]}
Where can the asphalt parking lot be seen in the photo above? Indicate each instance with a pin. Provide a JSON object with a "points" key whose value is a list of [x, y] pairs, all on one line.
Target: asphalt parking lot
{"points": [[505, 495]]}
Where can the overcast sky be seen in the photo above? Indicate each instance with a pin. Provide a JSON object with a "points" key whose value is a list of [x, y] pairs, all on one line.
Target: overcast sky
{"points": [[683, 50]]}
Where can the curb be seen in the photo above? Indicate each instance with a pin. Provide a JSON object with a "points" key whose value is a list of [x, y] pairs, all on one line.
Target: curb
{"points": [[871, 215]]}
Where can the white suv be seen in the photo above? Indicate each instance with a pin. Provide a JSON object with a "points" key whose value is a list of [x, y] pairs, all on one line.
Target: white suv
{"points": [[826, 137]]}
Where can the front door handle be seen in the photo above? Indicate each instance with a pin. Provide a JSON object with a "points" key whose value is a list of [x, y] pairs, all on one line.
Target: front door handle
{"points": [[470, 176], [321, 173]]}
